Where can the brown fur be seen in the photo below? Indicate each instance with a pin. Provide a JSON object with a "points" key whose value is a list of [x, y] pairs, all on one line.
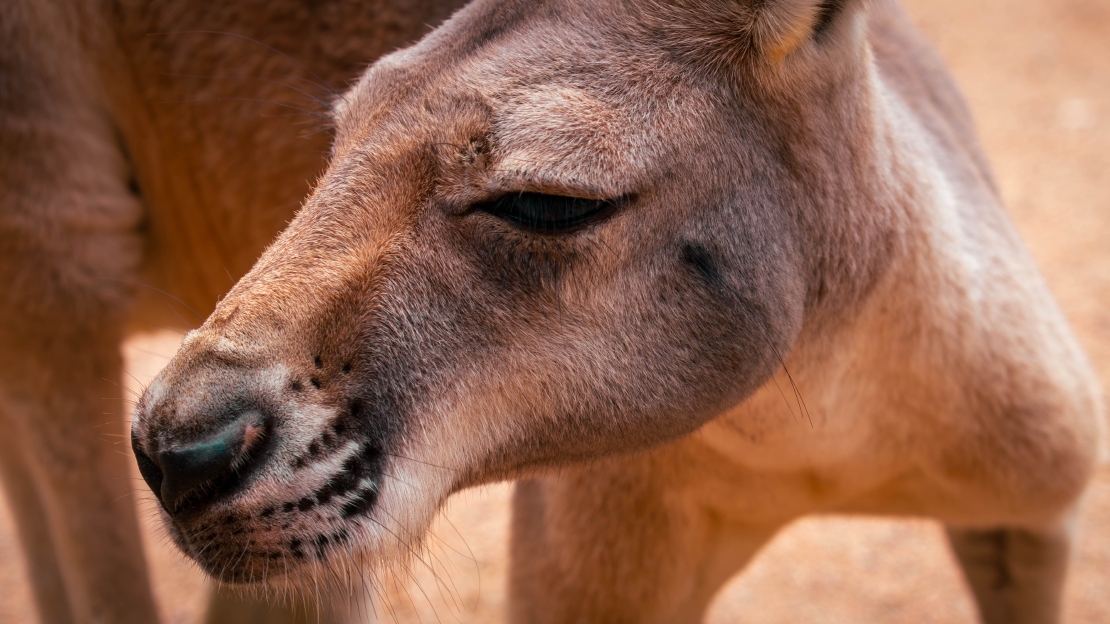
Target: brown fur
{"points": [[806, 298], [139, 156]]}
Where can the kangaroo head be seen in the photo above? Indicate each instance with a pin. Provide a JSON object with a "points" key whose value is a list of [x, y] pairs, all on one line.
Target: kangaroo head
{"points": [[549, 232]]}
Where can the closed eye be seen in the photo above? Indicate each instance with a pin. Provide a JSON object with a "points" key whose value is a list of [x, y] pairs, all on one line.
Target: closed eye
{"points": [[545, 213]]}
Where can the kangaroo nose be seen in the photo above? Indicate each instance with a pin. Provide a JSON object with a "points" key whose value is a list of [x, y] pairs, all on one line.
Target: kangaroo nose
{"points": [[195, 472]]}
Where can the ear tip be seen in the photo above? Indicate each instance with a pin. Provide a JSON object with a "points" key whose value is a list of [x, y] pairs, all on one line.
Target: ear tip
{"points": [[784, 25]]}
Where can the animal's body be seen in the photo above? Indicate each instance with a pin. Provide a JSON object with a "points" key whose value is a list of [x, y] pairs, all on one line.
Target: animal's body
{"points": [[690, 269], [144, 147]]}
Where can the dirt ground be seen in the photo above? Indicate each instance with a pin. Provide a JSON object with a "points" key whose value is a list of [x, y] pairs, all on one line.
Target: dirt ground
{"points": [[1037, 76]]}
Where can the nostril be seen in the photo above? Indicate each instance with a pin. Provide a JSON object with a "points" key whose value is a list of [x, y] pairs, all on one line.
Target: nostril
{"points": [[149, 470], [194, 472]]}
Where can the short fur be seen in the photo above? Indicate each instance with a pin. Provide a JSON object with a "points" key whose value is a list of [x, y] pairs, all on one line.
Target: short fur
{"points": [[808, 298], [145, 147]]}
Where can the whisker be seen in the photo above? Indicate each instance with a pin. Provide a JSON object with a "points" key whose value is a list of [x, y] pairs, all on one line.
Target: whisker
{"points": [[169, 329], [155, 289], [431, 568], [255, 78], [421, 462], [121, 386], [255, 100], [254, 41], [149, 352]]}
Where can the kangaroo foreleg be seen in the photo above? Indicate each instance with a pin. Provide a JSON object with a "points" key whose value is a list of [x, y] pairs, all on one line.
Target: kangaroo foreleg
{"points": [[615, 541], [1017, 575]]}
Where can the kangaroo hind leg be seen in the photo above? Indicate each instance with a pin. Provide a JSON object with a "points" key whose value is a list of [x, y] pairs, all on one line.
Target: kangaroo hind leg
{"points": [[70, 237]]}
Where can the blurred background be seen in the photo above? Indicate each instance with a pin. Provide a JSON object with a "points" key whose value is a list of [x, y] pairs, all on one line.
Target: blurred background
{"points": [[1036, 74]]}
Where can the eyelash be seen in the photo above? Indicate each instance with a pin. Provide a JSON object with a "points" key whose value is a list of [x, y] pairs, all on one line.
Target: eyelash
{"points": [[547, 214]]}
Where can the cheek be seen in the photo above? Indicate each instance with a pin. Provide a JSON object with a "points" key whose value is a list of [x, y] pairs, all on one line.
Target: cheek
{"points": [[513, 350], [504, 261], [637, 367], [684, 345], [609, 320]]}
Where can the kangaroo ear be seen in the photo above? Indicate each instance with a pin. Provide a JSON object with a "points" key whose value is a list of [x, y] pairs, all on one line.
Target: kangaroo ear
{"points": [[778, 27]]}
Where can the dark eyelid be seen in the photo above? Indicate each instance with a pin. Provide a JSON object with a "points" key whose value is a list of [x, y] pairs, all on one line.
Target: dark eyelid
{"points": [[548, 213]]}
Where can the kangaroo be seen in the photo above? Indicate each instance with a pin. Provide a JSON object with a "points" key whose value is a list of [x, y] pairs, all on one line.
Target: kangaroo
{"points": [[688, 270], [144, 147]]}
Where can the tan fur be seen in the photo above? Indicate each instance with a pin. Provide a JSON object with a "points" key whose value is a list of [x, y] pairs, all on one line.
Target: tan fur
{"points": [[97, 96], [808, 298]]}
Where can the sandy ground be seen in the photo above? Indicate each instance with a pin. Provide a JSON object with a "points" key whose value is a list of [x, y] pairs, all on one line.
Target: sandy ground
{"points": [[1037, 76]]}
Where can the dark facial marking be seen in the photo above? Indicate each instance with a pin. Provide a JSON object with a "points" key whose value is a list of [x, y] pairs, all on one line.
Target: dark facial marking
{"points": [[362, 503], [324, 494], [349, 420], [364, 464], [698, 256], [318, 362]]}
